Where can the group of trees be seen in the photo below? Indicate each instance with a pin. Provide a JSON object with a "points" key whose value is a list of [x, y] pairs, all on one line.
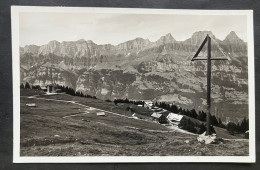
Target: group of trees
{"points": [[129, 101], [67, 90], [242, 127], [201, 115], [71, 91], [28, 86], [198, 128], [172, 108]]}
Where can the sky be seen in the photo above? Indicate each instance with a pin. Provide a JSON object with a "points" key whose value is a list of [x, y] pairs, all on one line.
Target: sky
{"points": [[41, 27]]}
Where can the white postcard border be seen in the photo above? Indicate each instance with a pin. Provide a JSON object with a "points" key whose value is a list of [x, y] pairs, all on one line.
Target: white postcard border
{"points": [[15, 10]]}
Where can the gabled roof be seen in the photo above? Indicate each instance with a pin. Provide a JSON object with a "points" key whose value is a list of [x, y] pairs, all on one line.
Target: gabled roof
{"points": [[165, 113], [156, 115], [173, 116]]}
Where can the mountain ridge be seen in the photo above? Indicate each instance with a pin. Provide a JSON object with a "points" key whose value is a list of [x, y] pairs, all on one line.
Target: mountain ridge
{"points": [[168, 37]]}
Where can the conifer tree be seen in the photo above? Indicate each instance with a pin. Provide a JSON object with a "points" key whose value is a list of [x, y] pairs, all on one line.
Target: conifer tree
{"points": [[27, 85]]}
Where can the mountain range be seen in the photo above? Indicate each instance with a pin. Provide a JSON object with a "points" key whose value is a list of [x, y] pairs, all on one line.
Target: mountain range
{"points": [[139, 69]]}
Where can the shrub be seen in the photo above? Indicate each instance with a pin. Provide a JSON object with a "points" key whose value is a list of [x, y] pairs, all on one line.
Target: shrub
{"points": [[214, 121], [202, 128], [244, 126], [231, 128], [163, 120], [202, 116], [188, 125], [38, 87]]}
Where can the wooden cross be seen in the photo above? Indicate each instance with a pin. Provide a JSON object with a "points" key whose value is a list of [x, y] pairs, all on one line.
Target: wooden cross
{"points": [[207, 39]]}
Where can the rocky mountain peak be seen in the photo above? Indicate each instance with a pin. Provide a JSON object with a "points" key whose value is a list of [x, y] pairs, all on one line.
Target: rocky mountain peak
{"points": [[135, 44], [168, 38], [81, 40], [235, 43], [203, 33], [232, 36], [54, 42], [90, 42], [198, 37]]}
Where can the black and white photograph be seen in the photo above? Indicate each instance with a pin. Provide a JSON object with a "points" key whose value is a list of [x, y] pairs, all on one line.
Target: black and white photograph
{"points": [[132, 85]]}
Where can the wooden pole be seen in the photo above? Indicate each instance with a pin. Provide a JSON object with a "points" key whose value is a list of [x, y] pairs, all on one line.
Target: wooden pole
{"points": [[208, 84], [208, 39]]}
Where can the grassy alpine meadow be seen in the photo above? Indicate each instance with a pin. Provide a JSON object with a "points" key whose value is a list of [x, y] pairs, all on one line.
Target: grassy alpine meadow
{"points": [[64, 125]]}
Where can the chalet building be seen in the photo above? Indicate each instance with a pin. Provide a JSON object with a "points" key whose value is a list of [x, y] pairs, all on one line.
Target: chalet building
{"points": [[51, 88], [148, 104], [157, 109], [159, 118], [172, 117]]}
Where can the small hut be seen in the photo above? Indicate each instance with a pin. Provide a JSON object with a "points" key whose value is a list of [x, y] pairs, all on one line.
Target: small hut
{"points": [[51, 88], [101, 114], [44, 88]]}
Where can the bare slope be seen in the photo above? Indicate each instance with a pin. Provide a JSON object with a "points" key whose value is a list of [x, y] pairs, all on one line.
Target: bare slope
{"points": [[45, 131]]}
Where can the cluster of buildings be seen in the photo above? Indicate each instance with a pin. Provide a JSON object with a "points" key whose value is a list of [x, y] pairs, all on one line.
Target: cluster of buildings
{"points": [[159, 115]]}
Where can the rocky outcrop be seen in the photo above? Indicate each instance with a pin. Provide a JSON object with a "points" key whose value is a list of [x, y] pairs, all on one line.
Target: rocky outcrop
{"points": [[71, 49], [105, 83], [48, 73]]}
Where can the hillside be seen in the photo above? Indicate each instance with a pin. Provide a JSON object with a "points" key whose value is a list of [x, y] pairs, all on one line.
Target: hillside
{"points": [[65, 125]]}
